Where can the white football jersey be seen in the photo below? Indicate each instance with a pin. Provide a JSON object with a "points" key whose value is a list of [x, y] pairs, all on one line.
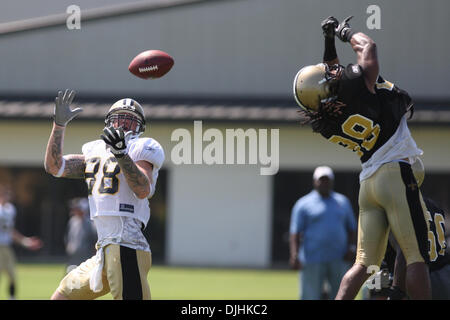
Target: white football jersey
{"points": [[401, 145], [109, 193], [7, 218]]}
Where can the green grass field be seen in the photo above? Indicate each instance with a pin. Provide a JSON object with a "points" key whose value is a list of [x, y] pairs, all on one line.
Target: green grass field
{"points": [[38, 282]]}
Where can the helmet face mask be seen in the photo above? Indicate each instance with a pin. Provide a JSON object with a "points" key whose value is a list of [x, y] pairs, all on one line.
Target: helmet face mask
{"points": [[126, 114], [334, 72], [124, 120], [316, 84]]}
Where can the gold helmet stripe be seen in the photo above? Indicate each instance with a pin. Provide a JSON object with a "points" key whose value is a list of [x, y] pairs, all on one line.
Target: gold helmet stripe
{"points": [[295, 90]]}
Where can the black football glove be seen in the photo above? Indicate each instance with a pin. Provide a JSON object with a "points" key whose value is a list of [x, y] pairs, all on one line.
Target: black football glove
{"points": [[329, 26], [344, 31], [116, 140]]}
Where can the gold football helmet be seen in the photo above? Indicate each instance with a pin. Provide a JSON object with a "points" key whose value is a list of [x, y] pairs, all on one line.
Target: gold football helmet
{"points": [[419, 171], [128, 114], [315, 84]]}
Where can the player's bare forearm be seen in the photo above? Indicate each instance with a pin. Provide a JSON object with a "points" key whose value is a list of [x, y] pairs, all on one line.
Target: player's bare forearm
{"points": [[365, 48], [137, 180], [74, 165], [53, 154], [31, 243], [366, 53]]}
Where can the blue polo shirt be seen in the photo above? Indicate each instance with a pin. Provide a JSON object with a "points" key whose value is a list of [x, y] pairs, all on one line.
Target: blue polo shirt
{"points": [[324, 223]]}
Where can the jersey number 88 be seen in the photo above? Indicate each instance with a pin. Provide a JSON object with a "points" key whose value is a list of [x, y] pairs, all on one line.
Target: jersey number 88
{"points": [[109, 182]]}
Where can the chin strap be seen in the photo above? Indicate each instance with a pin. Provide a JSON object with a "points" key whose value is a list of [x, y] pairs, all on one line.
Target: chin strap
{"points": [[135, 135]]}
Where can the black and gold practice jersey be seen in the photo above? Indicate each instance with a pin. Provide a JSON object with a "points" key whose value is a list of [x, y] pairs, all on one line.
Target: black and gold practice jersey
{"points": [[368, 120], [436, 236], [438, 257]]}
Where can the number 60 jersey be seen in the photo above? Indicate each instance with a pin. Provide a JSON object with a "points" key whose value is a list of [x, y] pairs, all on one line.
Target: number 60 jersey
{"points": [[109, 193]]}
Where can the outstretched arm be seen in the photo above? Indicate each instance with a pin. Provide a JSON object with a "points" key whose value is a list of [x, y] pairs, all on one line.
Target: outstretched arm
{"points": [[366, 52], [365, 49], [328, 28], [30, 243], [69, 166]]}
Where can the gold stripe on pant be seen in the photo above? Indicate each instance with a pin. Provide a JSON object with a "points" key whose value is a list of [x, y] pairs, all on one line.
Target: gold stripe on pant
{"points": [[384, 207], [124, 277]]}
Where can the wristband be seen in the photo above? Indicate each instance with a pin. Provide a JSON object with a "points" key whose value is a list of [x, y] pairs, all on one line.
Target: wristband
{"points": [[119, 154], [61, 170], [348, 34]]}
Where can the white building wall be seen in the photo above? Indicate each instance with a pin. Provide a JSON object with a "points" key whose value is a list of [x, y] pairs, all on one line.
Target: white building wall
{"points": [[219, 216]]}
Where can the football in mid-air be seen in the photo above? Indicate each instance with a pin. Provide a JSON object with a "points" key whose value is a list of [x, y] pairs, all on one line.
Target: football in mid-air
{"points": [[151, 64]]}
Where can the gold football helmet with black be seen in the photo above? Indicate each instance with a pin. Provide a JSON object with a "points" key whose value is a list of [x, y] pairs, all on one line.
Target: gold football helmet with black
{"points": [[316, 84], [128, 114]]}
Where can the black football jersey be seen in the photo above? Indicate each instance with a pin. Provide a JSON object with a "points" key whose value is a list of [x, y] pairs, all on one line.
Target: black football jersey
{"points": [[437, 253], [368, 120], [436, 236]]}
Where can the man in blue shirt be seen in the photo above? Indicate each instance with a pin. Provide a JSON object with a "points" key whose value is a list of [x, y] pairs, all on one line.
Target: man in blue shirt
{"points": [[322, 236]]}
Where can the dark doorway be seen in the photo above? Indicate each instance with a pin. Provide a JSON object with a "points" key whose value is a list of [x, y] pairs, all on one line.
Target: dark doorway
{"points": [[289, 186]]}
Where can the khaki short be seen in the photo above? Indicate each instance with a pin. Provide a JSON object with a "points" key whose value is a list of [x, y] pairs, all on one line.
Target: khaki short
{"points": [[8, 261], [124, 274], [391, 200]]}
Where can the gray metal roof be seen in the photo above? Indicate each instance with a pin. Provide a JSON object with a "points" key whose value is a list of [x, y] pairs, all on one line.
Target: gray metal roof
{"points": [[92, 14], [271, 110]]}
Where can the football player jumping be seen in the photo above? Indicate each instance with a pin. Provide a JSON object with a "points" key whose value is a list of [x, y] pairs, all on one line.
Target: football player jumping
{"points": [[355, 107], [120, 171]]}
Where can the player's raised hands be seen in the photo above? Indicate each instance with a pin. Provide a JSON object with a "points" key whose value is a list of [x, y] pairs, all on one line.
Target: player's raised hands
{"points": [[329, 26], [116, 140], [63, 114], [344, 31]]}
